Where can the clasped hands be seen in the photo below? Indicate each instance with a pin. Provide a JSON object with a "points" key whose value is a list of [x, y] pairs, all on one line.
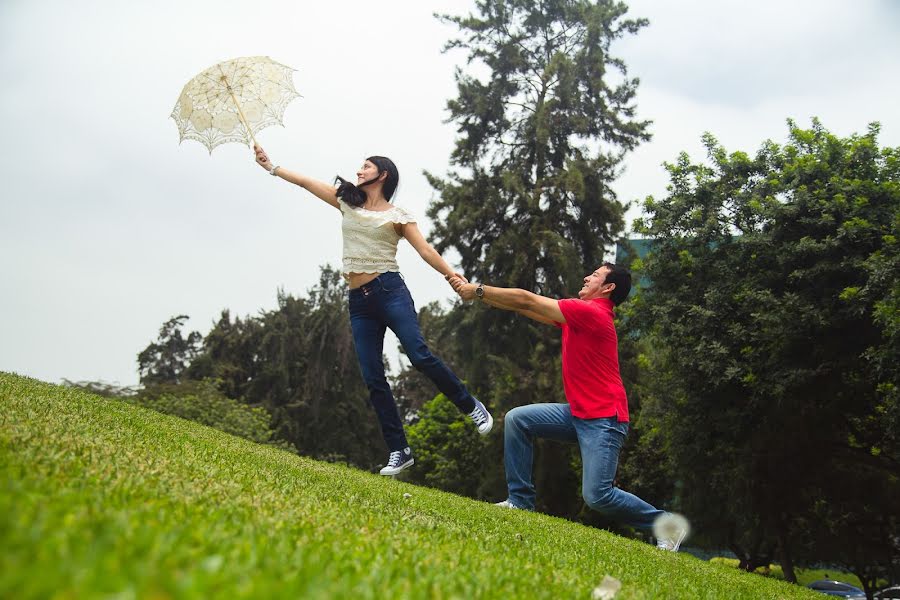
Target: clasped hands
{"points": [[462, 286]]}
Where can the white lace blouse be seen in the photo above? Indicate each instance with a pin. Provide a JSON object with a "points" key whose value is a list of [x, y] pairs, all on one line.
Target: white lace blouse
{"points": [[370, 241]]}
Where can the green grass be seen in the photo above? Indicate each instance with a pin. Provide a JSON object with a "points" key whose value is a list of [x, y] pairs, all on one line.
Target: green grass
{"points": [[102, 499], [804, 576]]}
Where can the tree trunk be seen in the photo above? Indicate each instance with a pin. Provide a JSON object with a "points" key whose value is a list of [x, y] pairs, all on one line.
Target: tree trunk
{"points": [[868, 583], [784, 553]]}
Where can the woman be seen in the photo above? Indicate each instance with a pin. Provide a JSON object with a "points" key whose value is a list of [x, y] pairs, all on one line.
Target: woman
{"points": [[379, 299]]}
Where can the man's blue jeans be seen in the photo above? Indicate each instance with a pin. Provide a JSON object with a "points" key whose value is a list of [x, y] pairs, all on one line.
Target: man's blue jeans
{"points": [[599, 440], [385, 302]]}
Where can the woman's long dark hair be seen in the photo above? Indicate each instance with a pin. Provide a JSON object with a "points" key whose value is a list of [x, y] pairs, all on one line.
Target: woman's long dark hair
{"points": [[354, 196]]}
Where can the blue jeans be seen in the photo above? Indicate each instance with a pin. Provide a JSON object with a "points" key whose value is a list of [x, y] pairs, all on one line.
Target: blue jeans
{"points": [[599, 440], [385, 302]]}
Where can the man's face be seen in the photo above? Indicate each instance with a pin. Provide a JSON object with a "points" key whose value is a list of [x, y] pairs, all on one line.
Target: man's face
{"points": [[593, 283]]}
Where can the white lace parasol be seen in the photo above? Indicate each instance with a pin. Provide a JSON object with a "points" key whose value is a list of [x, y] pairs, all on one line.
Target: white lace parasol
{"points": [[233, 100]]}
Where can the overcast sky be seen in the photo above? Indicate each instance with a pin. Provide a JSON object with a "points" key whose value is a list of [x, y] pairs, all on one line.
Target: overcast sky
{"points": [[108, 227]]}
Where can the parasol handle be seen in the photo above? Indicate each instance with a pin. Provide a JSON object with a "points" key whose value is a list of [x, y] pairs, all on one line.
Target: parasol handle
{"points": [[240, 112]]}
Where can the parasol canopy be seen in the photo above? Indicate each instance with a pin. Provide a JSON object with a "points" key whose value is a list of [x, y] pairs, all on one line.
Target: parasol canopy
{"points": [[233, 100]]}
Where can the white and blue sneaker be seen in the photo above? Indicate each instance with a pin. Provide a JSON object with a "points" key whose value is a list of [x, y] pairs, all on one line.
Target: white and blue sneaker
{"points": [[482, 418], [398, 460], [670, 530], [506, 504]]}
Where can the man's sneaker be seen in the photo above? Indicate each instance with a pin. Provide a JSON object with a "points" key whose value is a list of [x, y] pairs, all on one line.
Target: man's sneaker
{"points": [[482, 418], [506, 504], [670, 530], [398, 460]]}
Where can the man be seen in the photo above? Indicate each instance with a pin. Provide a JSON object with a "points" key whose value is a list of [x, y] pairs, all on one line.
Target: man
{"points": [[596, 416]]}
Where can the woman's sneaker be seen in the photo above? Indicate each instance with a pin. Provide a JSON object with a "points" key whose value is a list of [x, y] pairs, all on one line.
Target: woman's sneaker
{"points": [[482, 418], [397, 461]]}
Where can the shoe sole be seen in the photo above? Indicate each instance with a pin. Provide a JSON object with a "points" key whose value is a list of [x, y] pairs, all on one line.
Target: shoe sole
{"points": [[396, 470], [490, 425]]}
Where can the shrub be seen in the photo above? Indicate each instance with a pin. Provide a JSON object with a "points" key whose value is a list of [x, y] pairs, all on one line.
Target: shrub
{"points": [[202, 402]]}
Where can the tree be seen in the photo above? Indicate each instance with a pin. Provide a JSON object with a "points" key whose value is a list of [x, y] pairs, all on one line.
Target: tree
{"points": [[202, 402], [540, 141], [166, 360], [544, 120], [448, 449], [298, 362], [770, 311], [312, 381], [230, 355], [412, 388], [102, 388]]}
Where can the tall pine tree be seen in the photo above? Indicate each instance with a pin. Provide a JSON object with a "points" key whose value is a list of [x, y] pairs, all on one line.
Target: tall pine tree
{"points": [[545, 116], [543, 128]]}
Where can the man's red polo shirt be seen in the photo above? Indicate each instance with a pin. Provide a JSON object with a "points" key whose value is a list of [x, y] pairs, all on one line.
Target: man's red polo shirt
{"points": [[590, 360]]}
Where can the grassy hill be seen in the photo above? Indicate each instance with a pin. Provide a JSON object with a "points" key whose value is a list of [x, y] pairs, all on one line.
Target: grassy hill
{"points": [[99, 498]]}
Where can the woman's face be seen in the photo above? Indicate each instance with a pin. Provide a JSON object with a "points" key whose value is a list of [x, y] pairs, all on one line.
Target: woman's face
{"points": [[367, 172]]}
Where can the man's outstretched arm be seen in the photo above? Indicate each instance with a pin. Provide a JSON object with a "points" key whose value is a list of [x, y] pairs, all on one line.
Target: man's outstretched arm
{"points": [[539, 308]]}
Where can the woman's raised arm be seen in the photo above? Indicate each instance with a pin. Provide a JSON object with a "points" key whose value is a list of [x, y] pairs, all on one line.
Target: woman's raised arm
{"points": [[320, 189]]}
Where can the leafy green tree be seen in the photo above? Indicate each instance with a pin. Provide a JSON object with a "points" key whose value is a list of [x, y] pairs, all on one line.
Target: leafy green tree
{"points": [[166, 359], [448, 449], [102, 388], [411, 388], [770, 314], [230, 355], [880, 431], [298, 362], [201, 401], [544, 119], [644, 467], [310, 378]]}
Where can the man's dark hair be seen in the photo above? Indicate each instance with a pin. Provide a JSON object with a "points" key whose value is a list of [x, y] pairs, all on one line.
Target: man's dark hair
{"points": [[620, 276]]}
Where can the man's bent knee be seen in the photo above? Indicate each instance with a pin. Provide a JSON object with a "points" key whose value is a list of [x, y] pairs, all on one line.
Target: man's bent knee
{"points": [[514, 417]]}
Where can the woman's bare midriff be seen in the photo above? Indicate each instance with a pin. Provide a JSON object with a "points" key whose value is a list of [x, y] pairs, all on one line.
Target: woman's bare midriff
{"points": [[360, 279]]}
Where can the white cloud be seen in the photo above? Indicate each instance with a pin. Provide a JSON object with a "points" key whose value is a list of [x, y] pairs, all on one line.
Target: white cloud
{"points": [[740, 73]]}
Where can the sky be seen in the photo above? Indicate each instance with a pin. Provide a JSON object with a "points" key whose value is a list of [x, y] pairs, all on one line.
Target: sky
{"points": [[109, 227]]}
